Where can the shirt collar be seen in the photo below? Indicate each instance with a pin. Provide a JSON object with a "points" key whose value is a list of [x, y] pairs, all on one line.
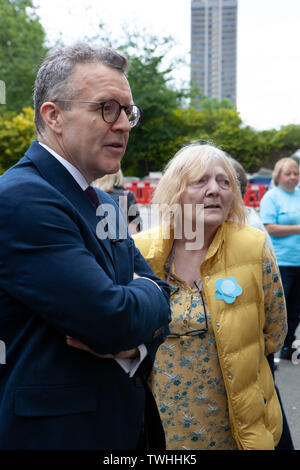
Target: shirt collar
{"points": [[79, 178]]}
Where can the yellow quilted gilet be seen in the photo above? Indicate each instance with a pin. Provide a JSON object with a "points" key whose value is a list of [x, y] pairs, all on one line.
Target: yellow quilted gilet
{"points": [[254, 410]]}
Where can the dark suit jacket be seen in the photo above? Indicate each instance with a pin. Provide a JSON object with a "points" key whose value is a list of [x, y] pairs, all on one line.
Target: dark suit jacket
{"points": [[58, 279]]}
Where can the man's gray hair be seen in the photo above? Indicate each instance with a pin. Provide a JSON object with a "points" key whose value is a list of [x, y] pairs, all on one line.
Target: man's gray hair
{"points": [[54, 75]]}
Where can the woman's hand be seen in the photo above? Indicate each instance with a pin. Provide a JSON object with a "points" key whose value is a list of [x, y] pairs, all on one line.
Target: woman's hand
{"points": [[130, 354]]}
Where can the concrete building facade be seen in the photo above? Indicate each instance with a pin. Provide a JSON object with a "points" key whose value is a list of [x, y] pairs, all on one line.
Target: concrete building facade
{"points": [[214, 47]]}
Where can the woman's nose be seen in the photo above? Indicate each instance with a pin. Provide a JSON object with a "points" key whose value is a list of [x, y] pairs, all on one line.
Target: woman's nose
{"points": [[212, 186]]}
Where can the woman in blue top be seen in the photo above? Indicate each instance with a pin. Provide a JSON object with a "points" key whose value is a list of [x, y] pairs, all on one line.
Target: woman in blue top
{"points": [[280, 212]]}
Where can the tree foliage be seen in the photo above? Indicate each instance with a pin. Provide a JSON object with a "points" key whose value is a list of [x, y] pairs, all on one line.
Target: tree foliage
{"points": [[173, 115], [16, 134], [149, 79], [22, 48]]}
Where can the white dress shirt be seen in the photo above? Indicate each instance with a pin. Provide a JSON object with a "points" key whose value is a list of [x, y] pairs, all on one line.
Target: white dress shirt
{"points": [[128, 365]]}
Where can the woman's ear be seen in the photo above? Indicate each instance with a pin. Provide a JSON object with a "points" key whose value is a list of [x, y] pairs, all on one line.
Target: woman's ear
{"points": [[52, 116]]}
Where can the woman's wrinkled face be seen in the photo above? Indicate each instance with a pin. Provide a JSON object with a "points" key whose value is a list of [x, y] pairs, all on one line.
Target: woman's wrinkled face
{"points": [[214, 192], [289, 177]]}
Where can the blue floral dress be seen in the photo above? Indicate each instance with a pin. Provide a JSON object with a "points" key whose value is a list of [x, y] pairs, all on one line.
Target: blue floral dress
{"points": [[187, 380]]}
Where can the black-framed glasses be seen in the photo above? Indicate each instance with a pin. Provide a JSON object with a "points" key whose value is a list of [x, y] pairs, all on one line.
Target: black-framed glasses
{"points": [[194, 332], [111, 110]]}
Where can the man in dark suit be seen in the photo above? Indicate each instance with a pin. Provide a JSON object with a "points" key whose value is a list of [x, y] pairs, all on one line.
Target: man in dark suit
{"points": [[81, 316]]}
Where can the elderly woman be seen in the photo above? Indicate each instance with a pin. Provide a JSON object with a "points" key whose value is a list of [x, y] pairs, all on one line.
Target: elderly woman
{"points": [[211, 379], [280, 212]]}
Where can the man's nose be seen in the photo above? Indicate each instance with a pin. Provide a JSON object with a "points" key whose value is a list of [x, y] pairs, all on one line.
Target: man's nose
{"points": [[122, 123]]}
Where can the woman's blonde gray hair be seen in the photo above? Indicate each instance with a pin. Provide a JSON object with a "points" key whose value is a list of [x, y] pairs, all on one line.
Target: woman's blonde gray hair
{"points": [[186, 167], [108, 182]]}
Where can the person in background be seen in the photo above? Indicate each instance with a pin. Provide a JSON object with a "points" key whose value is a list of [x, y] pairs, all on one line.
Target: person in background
{"points": [[211, 378], [253, 220], [280, 213], [62, 285], [114, 186]]}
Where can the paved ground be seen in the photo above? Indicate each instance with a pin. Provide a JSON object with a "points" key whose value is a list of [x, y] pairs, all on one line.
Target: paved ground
{"points": [[287, 379]]}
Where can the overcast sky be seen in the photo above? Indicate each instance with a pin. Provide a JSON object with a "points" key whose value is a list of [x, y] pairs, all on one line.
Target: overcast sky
{"points": [[268, 88]]}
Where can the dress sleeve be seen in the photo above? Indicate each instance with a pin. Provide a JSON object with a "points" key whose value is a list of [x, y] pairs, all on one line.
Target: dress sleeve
{"points": [[275, 327]]}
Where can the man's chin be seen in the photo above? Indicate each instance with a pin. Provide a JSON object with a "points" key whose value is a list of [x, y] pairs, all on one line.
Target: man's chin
{"points": [[108, 170], [114, 169]]}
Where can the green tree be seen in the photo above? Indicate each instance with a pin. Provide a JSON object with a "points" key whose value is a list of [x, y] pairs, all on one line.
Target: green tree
{"points": [[214, 104], [149, 77], [168, 119], [288, 137], [279, 143], [22, 48], [16, 134]]}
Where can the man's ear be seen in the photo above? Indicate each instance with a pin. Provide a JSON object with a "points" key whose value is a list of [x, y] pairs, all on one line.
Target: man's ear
{"points": [[52, 116]]}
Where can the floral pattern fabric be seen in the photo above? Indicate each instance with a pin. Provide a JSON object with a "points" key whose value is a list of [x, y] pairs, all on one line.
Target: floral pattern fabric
{"points": [[187, 379]]}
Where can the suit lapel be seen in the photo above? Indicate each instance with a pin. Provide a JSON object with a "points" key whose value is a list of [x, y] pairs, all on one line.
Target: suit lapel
{"points": [[60, 178]]}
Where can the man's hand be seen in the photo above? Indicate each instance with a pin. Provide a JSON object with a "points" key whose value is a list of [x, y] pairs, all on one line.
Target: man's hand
{"points": [[130, 354]]}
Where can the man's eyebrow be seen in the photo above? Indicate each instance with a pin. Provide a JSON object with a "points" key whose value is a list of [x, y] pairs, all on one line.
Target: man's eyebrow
{"points": [[104, 99], [97, 100]]}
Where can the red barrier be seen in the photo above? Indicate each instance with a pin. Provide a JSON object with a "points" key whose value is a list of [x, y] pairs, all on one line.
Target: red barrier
{"points": [[143, 191], [254, 194]]}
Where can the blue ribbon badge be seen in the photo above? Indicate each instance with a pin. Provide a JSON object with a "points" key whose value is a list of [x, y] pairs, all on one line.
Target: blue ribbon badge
{"points": [[227, 289]]}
